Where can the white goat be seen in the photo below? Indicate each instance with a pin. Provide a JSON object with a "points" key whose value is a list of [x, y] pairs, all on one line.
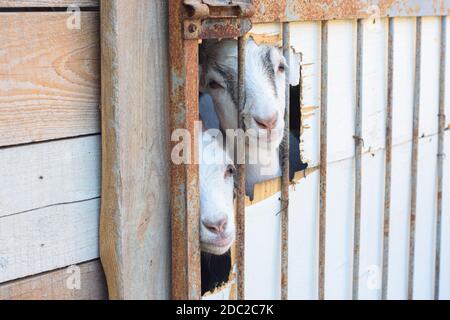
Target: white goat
{"points": [[265, 83], [217, 229]]}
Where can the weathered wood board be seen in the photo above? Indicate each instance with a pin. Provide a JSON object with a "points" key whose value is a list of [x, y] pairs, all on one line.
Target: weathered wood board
{"points": [[135, 218], [60, 285], [49, 76], [47, 3], [49, 238], [47, 174]]}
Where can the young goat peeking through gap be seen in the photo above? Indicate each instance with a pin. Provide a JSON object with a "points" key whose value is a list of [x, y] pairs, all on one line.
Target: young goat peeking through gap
{"points": [[217, 225], [264, 101]]}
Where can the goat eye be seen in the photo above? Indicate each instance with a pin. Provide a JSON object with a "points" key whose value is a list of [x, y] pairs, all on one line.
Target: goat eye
{"points": [[230, 171], [281, 68], [215, 85]]}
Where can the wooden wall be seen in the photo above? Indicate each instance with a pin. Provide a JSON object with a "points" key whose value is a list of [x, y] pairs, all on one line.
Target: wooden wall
{"points": [[50, 155]]}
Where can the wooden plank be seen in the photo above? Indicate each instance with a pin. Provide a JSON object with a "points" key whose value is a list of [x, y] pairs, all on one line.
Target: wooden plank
{"points": [[56, 285], [47, 174], [47, 3], [48, 239], [49, 77], [135, 218]]}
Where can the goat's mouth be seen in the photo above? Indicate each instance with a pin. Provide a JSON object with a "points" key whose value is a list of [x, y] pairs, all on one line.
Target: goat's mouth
{"points": [[272, 137], [217, 247]]}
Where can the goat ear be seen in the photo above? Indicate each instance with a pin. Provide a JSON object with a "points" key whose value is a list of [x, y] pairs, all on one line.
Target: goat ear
{"points": [[201, 79]]}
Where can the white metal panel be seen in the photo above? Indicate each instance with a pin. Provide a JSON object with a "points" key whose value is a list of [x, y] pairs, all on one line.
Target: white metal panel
{"points": [[404, 57], [303, 223], [429, 93], [262, 249], [372, 207], [341, 129], [303, 238], [374, 84], [339, 226], [425, 219], [445, 244], [341, 89], [374, 93], [399, 224], [305, 39]]}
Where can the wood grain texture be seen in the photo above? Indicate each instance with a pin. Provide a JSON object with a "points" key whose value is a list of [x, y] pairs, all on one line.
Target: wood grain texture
{"points": [[53, 285], [49, 77], [47, 3], [135, 217], [47, 174], [48, 239]]}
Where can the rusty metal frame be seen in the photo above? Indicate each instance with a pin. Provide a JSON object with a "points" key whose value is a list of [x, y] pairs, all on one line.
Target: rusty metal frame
{"points": [[184, 186], [240, 207], [285, 178], [414, 158], [319, 10], [440, 156], [323, 157], [388, 162], [206, 19], [358, 158], [190, 21]]}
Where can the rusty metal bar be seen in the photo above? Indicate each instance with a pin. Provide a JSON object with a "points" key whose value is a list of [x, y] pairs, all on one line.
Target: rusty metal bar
{"points": [[285, 178], [184, 189], [358, 156], [414, 158], [319, 10], [441, 156], [388, 162], [323, 157], [240, 211]]}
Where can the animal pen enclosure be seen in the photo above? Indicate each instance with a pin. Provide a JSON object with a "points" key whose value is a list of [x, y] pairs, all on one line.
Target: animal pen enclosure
{"points": [[368, 219]]}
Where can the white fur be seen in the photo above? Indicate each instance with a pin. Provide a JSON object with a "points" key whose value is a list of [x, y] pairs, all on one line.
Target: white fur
{"points": [[216, 196], [261, 102]]}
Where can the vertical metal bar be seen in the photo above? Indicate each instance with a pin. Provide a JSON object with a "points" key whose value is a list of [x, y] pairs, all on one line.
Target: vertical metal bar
{"points": [[240, 214], [358, 156], [414, 158], [285, 178], [388, 164], [323, 157], [440, 167], [185, 203]]}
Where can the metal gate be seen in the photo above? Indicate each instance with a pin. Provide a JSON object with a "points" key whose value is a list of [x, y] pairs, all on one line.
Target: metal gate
{"points": [[192, 20]]}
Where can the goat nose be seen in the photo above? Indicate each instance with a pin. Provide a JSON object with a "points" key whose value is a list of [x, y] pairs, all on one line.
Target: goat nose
{"points": [[268, 123], [216, 227]]}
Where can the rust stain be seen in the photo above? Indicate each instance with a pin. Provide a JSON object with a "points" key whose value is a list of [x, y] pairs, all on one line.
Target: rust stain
{"points": [[304, 10], [183, 58], [144, 222]]}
